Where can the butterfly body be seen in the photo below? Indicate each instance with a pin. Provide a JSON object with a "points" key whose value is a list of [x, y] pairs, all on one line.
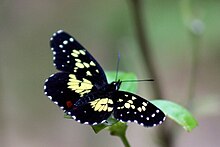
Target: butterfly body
{"points": [[106, 90], [81, 89]]}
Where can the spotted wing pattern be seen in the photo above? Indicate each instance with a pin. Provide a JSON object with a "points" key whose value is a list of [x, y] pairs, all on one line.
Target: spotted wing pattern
{"points": [[132, 108], [71, 57], [81, 90], [92, 113], [80, 75]]}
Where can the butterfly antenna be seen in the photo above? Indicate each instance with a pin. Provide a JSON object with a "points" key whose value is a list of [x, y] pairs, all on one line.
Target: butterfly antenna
{"points": [[116, 77], [138, 80]]}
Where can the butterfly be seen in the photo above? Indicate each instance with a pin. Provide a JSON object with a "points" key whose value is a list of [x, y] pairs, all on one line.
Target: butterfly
{"points": [[81, 90]]}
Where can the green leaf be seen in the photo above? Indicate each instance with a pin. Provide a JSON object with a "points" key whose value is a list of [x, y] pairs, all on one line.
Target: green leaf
{"points": [[99, 127], [177, 113], [128, 86], [67, 116]]}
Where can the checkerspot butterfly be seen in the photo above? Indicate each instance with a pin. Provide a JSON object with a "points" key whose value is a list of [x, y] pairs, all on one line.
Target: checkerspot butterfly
{"points": [[81, 89]]}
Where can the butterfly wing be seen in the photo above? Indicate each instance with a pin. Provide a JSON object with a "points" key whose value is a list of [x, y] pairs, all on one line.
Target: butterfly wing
{"points": [[93, 112], [80, 75], [70, 56], [132, 108]]}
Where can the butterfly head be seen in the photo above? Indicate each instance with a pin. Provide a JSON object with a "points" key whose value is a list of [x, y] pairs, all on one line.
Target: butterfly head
{"points": [[115, 85]]}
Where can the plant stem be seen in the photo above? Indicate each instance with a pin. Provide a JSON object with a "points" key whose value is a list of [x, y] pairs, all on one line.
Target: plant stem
{"points": [[165, 135], [124, 140], [144, 45], [194, 69], [195, 28]]}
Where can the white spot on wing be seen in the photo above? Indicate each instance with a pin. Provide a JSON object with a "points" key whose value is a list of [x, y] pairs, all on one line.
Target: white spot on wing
{"points": [[51, 75], [164, 118], [71, 39], [103, 121], [95, 123], [65, 42], [59, 31]]}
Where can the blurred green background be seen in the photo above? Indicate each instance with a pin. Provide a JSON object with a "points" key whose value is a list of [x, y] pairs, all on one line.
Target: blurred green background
{"points": [[28, 118]]}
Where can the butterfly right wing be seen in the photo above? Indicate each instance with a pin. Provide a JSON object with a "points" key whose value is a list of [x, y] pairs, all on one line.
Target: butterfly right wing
{"points": [[132, 108]]}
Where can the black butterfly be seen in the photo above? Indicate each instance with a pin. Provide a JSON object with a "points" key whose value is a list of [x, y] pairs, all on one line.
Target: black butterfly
{"points": [[81, 89]]}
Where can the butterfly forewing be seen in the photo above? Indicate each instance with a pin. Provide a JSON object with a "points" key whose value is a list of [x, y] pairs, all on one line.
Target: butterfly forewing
{"points": [[71, 57], [133, 108]]}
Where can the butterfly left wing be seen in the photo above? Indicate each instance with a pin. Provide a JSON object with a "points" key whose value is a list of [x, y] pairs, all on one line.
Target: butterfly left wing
{"points": [[70, 56], [80, 75], [93, 112], [132, 108]]}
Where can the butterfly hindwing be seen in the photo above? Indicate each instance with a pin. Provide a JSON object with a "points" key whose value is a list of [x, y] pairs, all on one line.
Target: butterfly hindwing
{"points": [[56, 88], [71, 57], [132, 108], [93, 112]]}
